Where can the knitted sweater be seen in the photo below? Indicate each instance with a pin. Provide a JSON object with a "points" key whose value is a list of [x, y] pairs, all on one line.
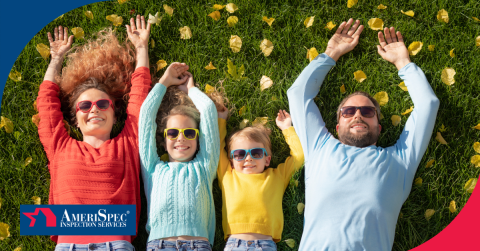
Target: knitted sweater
{"points": [[82, 174], [252, 203], [179, 194]]}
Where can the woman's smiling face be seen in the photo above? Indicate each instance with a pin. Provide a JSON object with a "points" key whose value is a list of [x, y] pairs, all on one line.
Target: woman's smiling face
{"points": [[95, 122], [181, 149]]}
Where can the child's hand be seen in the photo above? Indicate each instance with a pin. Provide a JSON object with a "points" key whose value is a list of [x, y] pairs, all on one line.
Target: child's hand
{"points": [[189, 83], [283, 120], [174, 75], [223, 114]]}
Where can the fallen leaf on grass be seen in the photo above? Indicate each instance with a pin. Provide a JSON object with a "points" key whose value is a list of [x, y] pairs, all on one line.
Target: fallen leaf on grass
{"points": [[381, 116], [429, 163], [168, 9], [209, 89], [476, 147], [28, 160], [477, 127], [448, 76], [414, 48], [409, 13], [402, 86], [161, 64], [375, 24], [218, 6], [409, 110], [89, 14], [154, 19], [152, 43], [476, 19], [418, 181], [381, 7], [78, 32], [44, 50], [309, 21], [290, 243], [15, 75], [267, 47], [351, 3], [164, 157], [452, 54], [265, 83], [431, 47], [232, 70], [477, 41], [185, 32], [260, 121], [442, 16], [4, 233], [359, 76], [122, 1], [475, 160], [440, 139], [452, 207], [330, 25], [381, 97], [36, 119], [235, 43], [396, 120], [36, 200], [470, 185], [312, 54], [16, 134], [429, 213], [442, 128], [232, 20], [116, 20], [300, 207], [215, 15], [210, 66], [231, 7], [269, 21], [243, 124], [19, 248], [342, 89], [274, 98], [59, 17], [7, 124]]}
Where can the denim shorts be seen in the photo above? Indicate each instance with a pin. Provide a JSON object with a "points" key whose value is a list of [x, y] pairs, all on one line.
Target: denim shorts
{"points": [[182, 245], [234, 244], [104, 246]]}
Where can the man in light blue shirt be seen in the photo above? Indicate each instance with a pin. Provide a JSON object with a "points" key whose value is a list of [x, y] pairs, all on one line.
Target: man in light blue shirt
{"points": [[354, 189]]}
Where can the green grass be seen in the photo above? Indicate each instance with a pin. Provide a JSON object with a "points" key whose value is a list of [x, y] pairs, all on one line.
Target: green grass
{"points": [[459, 109]]}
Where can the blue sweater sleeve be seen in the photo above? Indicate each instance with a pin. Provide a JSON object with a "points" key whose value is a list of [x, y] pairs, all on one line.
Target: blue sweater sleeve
{"points": [[306, 117], [209, 152], [414, 139]]}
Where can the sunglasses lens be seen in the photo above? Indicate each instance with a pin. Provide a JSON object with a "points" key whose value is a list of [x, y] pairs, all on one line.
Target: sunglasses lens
{"points": [[348, 111], [257, 153], [239, 154], [84, 106], [367, 112], [103, 104], [190, 134], [172, 133]]}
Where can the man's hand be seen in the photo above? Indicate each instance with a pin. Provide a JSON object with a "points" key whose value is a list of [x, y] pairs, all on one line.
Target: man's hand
{"points": [[394, 49], [283, 120], [174, 75], [344, 39]]}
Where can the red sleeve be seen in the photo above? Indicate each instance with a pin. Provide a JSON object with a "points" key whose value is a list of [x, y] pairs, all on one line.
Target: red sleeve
{"points": [[51, 130]]}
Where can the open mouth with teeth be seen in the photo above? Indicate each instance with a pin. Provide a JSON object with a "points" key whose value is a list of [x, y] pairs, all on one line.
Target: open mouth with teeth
{"points": [[95, 119], [359, 127], [181, 148], [249, 167]]}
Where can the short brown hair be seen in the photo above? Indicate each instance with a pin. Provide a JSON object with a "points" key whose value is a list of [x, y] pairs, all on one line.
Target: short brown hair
{"points": [[259, 134], [362, 93]]}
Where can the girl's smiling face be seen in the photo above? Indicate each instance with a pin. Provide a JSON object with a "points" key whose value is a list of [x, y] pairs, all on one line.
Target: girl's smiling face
{"points": [[181, 149], [248, 165]]}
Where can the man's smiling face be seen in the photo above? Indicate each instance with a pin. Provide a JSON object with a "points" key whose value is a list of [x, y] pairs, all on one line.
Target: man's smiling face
{"points": [[358, 130]]}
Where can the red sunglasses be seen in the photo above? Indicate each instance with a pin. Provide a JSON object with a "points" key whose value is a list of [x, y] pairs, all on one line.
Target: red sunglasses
{"points": [[86, 105]]}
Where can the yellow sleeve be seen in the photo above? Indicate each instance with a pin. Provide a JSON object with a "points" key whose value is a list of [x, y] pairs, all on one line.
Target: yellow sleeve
{"points": [[224, 162], [296, 158]]}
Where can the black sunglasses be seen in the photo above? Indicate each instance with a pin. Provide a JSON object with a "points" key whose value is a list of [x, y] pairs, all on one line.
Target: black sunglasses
{"points": [[366, 111]]}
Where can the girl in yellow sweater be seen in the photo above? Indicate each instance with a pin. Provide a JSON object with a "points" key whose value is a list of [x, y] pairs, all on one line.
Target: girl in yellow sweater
{"points": [[252, 194]]}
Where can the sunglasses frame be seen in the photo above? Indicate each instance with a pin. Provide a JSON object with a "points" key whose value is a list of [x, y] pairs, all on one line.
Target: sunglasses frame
{"points": [[180, 131], [247, 152], [358, 108], [94, 103]]}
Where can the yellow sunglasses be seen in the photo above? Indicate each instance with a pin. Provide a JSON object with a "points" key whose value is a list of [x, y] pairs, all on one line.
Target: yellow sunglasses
{"points": [[173, 133]]}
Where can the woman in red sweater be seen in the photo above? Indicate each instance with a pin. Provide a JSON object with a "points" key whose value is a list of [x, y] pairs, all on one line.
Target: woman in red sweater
{"points": [[99, 169]]}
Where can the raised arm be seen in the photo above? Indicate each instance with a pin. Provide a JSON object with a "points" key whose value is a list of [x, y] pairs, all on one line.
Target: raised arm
{"points": [[138, 33], [306, 117], [224, 161]]}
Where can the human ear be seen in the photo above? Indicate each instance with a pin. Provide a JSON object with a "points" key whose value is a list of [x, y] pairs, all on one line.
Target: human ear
{"points": [[379, 128], [267, 160], [337, 127]]}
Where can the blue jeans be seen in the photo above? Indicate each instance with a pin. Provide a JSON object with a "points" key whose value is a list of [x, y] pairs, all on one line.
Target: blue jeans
{"points": [[104, 246], [182, 245], [234, 244]]}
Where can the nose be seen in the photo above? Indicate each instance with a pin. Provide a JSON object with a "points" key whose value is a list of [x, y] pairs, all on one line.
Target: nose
{"points": [[249, 157], [94, 109], [181, 137], [358, 114]]}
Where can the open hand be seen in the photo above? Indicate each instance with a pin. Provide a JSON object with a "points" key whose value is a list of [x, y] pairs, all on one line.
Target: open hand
{"points": [[174, 75], [394, 49], [283, 120], [223, 114], [189, 83], [138, 33], [61, 44], [344, 39]]}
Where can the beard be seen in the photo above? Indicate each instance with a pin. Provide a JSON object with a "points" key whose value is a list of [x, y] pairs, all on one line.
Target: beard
{"points": [[358, 140]]}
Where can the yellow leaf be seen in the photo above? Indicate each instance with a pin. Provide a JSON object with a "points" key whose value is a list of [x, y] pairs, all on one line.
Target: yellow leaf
{"points": [[15, 75], [265, 82], [442, 16], [35, 105], [409, 110], [89, 14], [381, 7], [294, 183], [440, 139], [290, 243], [475, 160], [78, 33], [154, 19], [218, 6], [8, 124], [122, 1], [232, 70], [28, 160], [470, 185], [185, 32], [452, 207], [242, 110], [381, 116], [260, 121], [36, 119], [342, 89], [409, 13], [215, 15], [381, 97], [267, 47], [4, 233], [269, 21], [210, 66], [243, 124], [59, 17], [429, 213], [359, 76], [309, 21], [402, 86], [231, 7], [414, 48], [161, 64], [168, 9], [232, 20], [235, 43], [19, 248], [476, 147], [429, 163], [396, 120], [164, 157], [37, 200], [448, 76], [44, 50], [330, 25], [16, 134], [431, 47], [375, 24], [476, 19], [312, 54], [300, 207], [442, 128], [116, 20], [452, 54], [477, 127], [152, 43], [418, 181], [351, 3], [209, 89], [477, 41], [274, 98]]}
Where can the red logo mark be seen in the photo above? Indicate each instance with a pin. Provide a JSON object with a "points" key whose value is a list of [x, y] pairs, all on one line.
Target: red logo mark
{"points": [[51, 218]]}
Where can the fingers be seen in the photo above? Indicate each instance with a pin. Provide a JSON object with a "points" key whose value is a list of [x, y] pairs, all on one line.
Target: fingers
{"points": [[143, 22], [65, 34], [132, 24], [400, 37], [129, 30], [149, 25], [70, 40], [381, 39], [55, 32], [50, 39], [60, 33], [347, 26], [340, 27], [354, 27], [287, 115], [392, 33], [387, 35], [280, 115], [138, 22], [356, 35], [380, 50]]}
